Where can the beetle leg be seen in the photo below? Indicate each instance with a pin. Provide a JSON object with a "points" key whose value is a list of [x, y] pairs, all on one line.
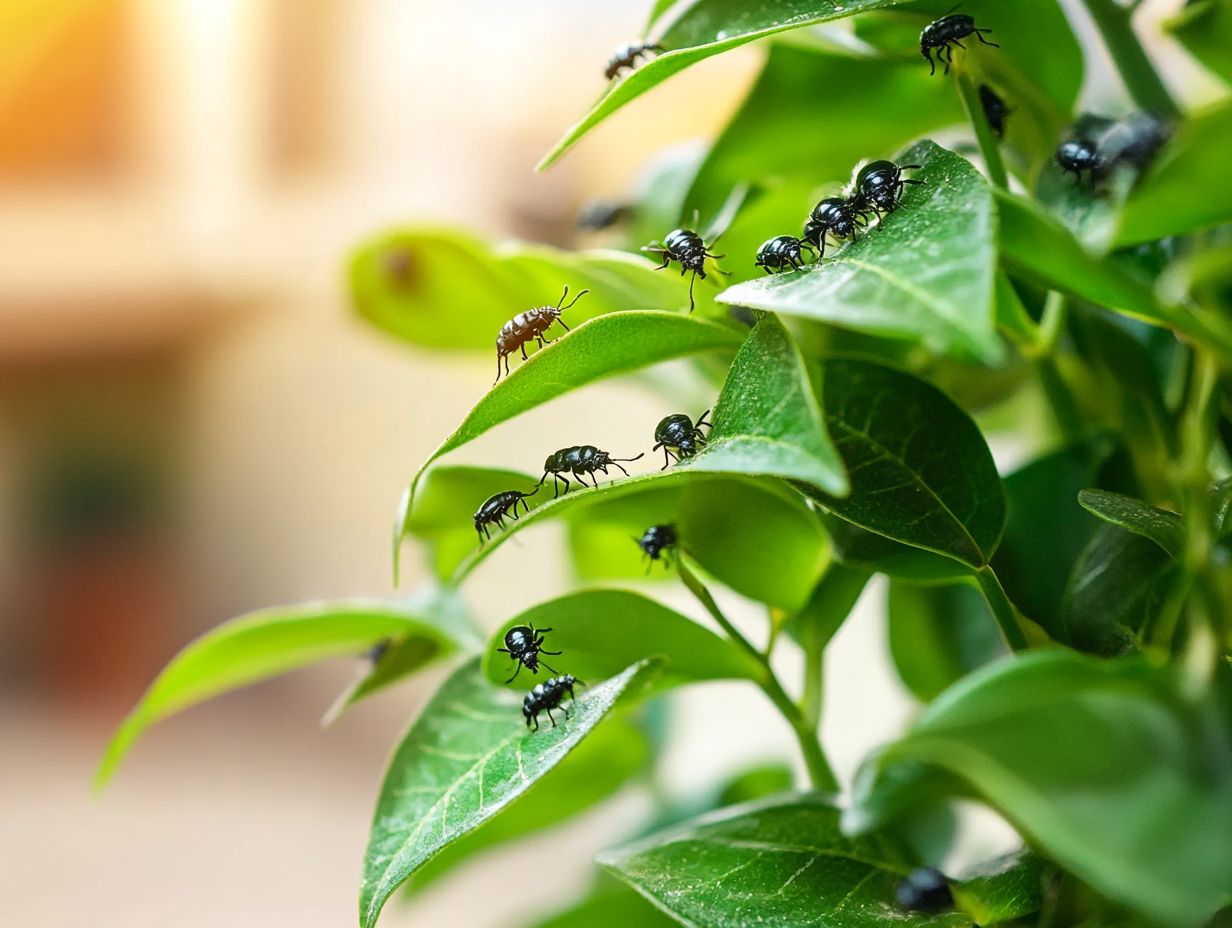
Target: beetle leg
{"points": [[517, 671], [552, 717], [932, 65], [979, 34], [524, 358]]}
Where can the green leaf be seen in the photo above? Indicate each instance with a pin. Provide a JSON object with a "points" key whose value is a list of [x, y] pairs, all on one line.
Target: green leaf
{"points": [[920, 471], [398, 658], [602, 631], [701, 29], [782, 862], [767, 420], [604, 762], [1035, 245], [1205, 28], [269, 642], [445, 505], [862, 550], [612, 344], [1004, 889], [467, 757], [411, 283], [756, 537], [939, 634], [764, 138], [1185, 188], [1118, 584], [832, 600], [1046, 529], [1095, 762], [1161, 526], [609, 905], [925, 272]]}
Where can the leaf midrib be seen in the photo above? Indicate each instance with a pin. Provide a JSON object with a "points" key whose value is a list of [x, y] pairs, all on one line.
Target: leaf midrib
{"points": [[916, 478]]}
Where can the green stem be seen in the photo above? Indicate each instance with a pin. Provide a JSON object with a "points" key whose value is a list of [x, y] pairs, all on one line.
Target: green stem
{"points": [[820, 773], [1002, 609], [983, 132], [1137, 73], [813, 691]]}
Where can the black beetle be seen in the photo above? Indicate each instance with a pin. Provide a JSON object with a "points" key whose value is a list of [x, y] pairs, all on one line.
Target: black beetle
{"points": [[680, 437], [547, 696], [658, 541], [924, 889], [879, 186], [689, 249], [781, 252], [945, 32], [580, 460], [494, 509], [524, 643]]}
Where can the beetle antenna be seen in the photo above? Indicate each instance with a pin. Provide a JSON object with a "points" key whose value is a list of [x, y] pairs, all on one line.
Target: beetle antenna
{"points": [[537, 486], [627, 460], [562, 297], [581, 293]]}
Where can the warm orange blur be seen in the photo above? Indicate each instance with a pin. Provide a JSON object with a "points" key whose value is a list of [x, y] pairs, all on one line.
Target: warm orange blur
{"points": [[192, 425]]}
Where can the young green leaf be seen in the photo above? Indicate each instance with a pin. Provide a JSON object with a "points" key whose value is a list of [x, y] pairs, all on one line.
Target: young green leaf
{"points": [[603, 631], [467, 757], [1185, 188], [920, 471], [757, 537], [441, 288], [781, 863], [701, 29], [1161, 526], [1118, 584], [611, 344], [832, 600], [609, 905], [939, 634], [1095, 762], [1004, 889], [270, 642], [1037, 246], [1041, 499], [925, 272], [767, 420], [867, 552], [606, 760], [1205, 28]]}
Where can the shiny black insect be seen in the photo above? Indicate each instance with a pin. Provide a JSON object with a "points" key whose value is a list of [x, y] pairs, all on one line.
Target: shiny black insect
{"points": [[658, 541], [1078, 155], [529, 326], [781, 252], [524, 643], [597, 215], [689, 249], [580, 460], [625, 57], [680, 437], [995, 110], [495, 508], [944, 33], [924, 889], [547, 696], [879, 186], [837, 217]]}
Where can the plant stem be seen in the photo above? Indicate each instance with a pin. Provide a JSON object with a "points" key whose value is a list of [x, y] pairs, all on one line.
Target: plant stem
{"points": [[1002, 609], [813, 691], [820, 773], [983, 132], [1137, 73]]}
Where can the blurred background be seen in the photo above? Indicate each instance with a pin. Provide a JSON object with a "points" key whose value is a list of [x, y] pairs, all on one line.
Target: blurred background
{"points": [[193, 425]]}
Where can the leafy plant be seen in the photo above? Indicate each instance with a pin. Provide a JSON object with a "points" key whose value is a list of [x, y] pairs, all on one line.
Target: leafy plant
{"points": [[1064, 621]]}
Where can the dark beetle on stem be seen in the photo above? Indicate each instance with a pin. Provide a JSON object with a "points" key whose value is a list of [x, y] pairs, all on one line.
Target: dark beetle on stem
{"points": [[580, 460], [1078, 155], [524, 643], [495, 508], [529, 326], [680, 437], [688, 248], [995, 110], [547, 696], [944, 33], [657, 542]]}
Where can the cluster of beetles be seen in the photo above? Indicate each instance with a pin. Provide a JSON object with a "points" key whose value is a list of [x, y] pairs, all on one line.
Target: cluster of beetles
{"points": [[876, 192]]}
